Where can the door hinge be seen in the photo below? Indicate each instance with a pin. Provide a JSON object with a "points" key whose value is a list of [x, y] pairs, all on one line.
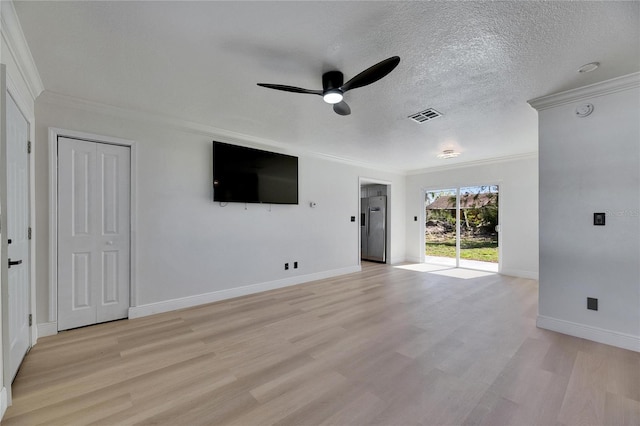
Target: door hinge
{"points": [[28, 147], [30, 320], [29, 233]]}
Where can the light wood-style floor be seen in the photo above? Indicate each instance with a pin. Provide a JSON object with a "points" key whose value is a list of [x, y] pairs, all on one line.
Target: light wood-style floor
{"points": [[386, 346]]}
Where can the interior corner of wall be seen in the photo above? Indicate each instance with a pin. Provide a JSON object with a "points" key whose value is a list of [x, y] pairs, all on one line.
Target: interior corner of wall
{"points": [[46, 329], [397, 260]]}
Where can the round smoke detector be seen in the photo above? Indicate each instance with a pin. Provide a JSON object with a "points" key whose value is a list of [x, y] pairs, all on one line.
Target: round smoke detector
{"points": [[584, 110]]}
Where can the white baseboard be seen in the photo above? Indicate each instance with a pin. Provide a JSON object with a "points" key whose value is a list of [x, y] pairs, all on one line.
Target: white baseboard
{"points": [[608, 337], [412, 259], [47, 329], [201, 299], [3, 402], [520, 273], [396, 260]]}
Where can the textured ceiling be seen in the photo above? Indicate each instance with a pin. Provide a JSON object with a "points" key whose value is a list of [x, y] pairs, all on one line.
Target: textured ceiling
{"points": [[475, 62]]}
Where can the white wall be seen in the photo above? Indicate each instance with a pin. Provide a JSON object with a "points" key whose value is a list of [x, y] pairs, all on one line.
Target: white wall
{"points": [[589, 165], [518, 180], [187, 245]]}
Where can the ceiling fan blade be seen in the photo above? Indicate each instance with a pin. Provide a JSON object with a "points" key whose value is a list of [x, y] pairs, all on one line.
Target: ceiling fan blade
{"points": [[342, 108], [372, 74], [290, 89]]}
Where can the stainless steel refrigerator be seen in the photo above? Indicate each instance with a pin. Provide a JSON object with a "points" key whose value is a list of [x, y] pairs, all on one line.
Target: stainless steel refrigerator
{"points": [[373, 228]]}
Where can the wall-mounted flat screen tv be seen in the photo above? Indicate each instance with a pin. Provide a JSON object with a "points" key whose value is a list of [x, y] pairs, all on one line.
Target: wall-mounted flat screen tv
{"points": [[248, 175]]}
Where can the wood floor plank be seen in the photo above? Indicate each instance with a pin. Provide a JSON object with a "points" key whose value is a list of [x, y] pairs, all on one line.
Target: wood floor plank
{"points": [[385, 346], [621, 411], [584, 401]]}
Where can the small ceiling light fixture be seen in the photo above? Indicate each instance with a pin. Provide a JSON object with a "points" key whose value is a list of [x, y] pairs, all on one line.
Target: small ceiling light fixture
{"points": [[448, 153], [332, 96], [591, 66]]}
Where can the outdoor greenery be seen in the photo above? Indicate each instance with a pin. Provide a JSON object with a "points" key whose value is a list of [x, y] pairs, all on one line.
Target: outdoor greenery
{"points": [[485, 251]]}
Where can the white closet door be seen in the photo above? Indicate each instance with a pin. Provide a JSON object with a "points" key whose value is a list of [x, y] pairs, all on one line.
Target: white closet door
{"points": [[17, 234], [113, 245], [93, 232]]}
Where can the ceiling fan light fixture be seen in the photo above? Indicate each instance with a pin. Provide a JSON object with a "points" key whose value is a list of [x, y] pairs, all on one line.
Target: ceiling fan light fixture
{"points": [[448, 153], [332, 96], [333, 88]]}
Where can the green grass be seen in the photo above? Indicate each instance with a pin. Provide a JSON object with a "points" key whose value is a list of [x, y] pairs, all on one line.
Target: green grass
{"points": [[485, 251]]}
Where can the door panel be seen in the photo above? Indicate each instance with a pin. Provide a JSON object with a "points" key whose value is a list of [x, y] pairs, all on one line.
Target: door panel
{"points": [[81, 182], [17, 233], [76, 263], [114, 240], [478, 227], [110, 281], [93, 232], [81, 281], [441, 227]]}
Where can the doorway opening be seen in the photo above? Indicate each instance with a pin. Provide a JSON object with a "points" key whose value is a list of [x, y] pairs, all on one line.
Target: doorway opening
{"points": [[462, 227], [374, 220]]}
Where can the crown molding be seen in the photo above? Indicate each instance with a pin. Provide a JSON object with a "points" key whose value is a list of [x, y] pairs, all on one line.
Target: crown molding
{"points": [[191, 127], [486, 162], [19, 49], [602, 88]]}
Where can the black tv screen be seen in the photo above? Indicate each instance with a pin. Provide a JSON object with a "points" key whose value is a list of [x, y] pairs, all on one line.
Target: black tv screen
{"points": [[248, 175]]}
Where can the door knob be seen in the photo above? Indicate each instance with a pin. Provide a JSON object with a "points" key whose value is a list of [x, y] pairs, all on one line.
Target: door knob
{"points": [[14, 262]]}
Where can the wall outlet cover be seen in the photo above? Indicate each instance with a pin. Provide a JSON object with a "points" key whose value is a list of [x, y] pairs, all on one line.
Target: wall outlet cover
{"points": [[599, 219], [592, 303]]}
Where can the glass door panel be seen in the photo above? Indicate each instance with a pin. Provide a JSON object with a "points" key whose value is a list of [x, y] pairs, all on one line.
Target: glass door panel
{"points": [[441, 227], [479, 227]]}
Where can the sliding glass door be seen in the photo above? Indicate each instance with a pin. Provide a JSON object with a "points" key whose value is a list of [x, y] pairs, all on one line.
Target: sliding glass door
{"points": [[461, 227]]}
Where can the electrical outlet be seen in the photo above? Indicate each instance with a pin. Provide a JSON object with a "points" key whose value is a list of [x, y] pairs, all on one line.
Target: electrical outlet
{"points": [[286, 266], [295, 265], [599, 219], [353, 218], [415, 218], [592, 303]]}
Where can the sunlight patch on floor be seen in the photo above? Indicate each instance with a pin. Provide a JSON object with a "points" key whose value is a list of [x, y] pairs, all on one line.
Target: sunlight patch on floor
{"points": [[464, 263], [465, 274], [447, 271], [423, 267]]}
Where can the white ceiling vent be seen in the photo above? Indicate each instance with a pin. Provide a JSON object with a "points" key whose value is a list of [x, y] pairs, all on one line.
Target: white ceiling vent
{"points": [[426, 115]]}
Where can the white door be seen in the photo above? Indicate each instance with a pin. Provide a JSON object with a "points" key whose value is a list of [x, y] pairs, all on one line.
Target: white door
{"points": [[93, 232], [17, 234]]}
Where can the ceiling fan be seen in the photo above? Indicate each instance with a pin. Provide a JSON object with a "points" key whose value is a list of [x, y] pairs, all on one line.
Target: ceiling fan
{"points": [[333, 89]]}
